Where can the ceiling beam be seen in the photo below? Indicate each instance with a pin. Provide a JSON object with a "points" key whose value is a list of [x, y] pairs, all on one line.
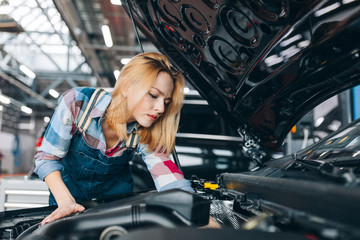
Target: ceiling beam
{"points": [[70, 16], [28, 90]]}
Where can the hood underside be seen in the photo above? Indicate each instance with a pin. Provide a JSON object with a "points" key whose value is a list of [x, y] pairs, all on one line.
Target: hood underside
{"points": [[260, 64]]}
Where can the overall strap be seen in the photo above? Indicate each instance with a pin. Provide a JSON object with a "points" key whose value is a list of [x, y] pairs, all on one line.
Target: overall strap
{"points": [[132, 141], [85, 121]]}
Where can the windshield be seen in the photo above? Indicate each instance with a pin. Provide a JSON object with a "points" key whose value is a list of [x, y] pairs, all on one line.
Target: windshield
{"points": [[343, 146]]}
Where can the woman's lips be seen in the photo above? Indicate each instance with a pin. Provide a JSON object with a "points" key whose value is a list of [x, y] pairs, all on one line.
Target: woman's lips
{"points": [[152, 117]]}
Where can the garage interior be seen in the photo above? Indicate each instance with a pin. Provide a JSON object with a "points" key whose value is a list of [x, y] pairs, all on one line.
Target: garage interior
{"points": [[48, 47]]}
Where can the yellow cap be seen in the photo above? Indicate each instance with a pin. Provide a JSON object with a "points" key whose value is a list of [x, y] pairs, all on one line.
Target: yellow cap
{"points": [[212, 186]]}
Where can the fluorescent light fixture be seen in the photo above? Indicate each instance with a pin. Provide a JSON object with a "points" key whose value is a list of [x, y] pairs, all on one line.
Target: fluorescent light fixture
{"points": [[46, 119], [319, 121], [289, 52], [4, 99], [124, 61], [304, 44], [186, 90], [116, 2], [26, 109], [273, 60], [54, 93], [186, 161], [223, 152], [182, 149], [27, 71], [107, 35], [327, 9], [290, 40], [116, 74], [355, 154], [334, 125], [195, 102], [348, 1]]}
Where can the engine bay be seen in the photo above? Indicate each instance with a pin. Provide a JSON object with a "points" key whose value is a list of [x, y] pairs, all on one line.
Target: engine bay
{"points": [[243, 205]]}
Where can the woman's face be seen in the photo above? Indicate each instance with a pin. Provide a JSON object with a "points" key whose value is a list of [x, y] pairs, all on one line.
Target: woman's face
{"points": [[154, 102]]}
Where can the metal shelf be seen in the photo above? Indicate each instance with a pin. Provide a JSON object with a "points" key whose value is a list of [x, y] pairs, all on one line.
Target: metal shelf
{"points": [[22, 192]]}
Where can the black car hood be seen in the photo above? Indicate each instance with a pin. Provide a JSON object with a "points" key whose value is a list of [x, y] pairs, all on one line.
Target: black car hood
{"points": [[261, 64]]}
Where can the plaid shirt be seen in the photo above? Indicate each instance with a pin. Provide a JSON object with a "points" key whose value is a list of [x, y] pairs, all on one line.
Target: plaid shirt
{"points": [[56, 142]]}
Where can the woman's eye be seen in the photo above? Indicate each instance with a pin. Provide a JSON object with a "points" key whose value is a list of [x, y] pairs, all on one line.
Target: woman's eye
{"points": [[153, 96]]}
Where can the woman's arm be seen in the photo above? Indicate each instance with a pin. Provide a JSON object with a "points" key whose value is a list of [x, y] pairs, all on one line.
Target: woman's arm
{"points": [[54, 146], [165, 173], [65, 201]]}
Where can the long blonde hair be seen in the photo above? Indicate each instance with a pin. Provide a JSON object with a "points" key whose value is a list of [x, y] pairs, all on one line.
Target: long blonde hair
{"points": [[138, 76]]}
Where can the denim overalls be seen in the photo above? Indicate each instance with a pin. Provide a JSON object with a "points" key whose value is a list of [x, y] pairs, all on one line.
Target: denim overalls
{"points": [[88, 173]]}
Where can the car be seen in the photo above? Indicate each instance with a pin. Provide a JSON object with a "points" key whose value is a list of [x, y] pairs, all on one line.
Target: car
{"points": [[261, 65]]}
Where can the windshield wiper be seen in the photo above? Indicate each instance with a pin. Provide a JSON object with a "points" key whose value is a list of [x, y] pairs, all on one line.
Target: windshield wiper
{"points": [[344, 174]]}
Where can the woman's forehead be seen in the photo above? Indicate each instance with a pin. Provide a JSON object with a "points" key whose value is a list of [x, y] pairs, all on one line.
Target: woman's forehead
{"points": [[164, 84]]}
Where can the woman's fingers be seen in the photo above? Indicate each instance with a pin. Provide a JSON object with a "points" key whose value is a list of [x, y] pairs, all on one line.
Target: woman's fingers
{"points": [[63, 211], [79, 208]]}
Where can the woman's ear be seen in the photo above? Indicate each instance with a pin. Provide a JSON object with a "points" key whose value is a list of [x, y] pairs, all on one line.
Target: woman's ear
{"points": [[124, 90]]}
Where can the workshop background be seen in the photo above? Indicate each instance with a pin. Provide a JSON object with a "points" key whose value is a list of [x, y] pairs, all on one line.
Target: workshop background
{"points": [[47, 47]]}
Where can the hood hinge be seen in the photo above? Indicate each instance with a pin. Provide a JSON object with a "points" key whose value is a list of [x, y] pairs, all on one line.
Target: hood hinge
{"points": [[251, 146]]}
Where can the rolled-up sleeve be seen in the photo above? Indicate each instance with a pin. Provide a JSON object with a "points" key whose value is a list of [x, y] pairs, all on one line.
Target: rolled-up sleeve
{"points": [[57, 137], [45, 167], [165, 173]]}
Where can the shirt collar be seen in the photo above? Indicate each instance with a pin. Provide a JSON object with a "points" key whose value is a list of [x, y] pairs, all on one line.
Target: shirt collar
{"points": [[132, 127]]}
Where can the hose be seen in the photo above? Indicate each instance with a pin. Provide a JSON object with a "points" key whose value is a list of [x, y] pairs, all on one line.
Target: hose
{"points": [[131, 216]]}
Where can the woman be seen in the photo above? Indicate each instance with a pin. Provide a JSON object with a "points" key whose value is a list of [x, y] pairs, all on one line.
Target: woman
{"points": [[79, 165]]}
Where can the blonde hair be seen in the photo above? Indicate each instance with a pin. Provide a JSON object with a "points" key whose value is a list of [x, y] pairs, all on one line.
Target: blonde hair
{"points": [[137, 77]]}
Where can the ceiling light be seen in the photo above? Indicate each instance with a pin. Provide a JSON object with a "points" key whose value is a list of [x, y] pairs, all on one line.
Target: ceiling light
{"points": [[334, 125], [223, 152], [26, 109], [4, 99], [54, 93], [192, 92], [46, 119], [27, 71], [116, 2], [319, 121], [124, 61], [186, 90], [273, 60], [327, 9], [116, 74], [289, 52], [355, 154], [348, 1], [304, 44], [107, 35], [290, 40]]}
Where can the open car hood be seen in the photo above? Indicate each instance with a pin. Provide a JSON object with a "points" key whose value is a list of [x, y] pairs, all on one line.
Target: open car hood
{"points": [[261, 64]]}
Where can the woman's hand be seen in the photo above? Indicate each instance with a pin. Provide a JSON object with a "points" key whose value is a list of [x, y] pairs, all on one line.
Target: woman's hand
{"points": [[64, 209], [212, 224], [65, 201]]}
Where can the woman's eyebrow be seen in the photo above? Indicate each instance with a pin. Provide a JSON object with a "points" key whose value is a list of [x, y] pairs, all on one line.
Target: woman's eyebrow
{"points": [[161, 92]]}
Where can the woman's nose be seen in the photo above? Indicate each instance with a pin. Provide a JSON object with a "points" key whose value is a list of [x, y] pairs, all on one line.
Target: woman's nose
{"points": [[159, 106]]}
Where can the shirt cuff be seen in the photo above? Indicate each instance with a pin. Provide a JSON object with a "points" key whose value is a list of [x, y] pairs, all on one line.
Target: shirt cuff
{"points": [[45, 167], [182, 184]]}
